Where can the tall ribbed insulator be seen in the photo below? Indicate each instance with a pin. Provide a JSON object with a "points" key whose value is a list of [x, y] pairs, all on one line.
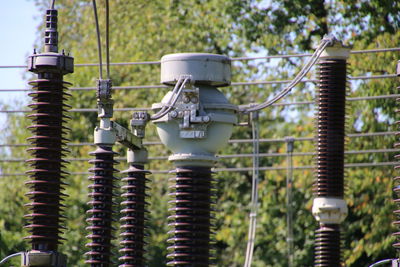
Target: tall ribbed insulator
{"points": [[396, 181], [134, 217], [191, 217], [47, 149], [101, 211], [329, 182]]}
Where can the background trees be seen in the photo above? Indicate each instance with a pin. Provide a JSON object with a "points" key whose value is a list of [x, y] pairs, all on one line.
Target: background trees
{"points": [[145, 30]]}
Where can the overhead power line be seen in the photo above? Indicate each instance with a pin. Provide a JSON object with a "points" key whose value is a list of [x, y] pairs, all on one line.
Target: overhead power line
{"points": [[138, 87], [247, 169], [232, 141], [350, 99], [364, 51]]}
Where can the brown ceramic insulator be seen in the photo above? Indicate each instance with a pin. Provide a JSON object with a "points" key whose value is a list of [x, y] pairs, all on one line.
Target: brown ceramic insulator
{"points": [[134, 216], [100, 214], [396, 181], [328, 246], [191, 217], [330, 139], [47, 149]]}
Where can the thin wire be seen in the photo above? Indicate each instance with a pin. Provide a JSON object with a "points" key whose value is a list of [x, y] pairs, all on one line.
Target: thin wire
{"points": [[52, 4], [260, 155], [382, 262], [275, 104], [107, 39], [137, 87], [379, 50], [10, 256], [254, 192], [238, 141], [246, 169], [98, 39]]}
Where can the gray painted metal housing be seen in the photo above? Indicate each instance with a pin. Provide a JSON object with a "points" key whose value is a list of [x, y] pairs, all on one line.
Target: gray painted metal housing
{"points": [[208, 69]]}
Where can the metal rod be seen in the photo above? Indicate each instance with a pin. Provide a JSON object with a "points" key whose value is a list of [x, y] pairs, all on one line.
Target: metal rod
{"points": [[289, 200]]}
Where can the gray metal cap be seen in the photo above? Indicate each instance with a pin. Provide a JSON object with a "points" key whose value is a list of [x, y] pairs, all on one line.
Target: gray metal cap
{"points": [[209, 69]]}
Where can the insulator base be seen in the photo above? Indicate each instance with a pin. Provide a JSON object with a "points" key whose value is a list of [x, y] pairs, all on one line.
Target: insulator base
{"points": [[134, 217], [191, 217], [101, 212]]}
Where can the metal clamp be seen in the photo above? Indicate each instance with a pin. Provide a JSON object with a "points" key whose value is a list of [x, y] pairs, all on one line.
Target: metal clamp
{"points": [[329, 210], [139, 122], [40, 258], [188, 109], [125, 137]]}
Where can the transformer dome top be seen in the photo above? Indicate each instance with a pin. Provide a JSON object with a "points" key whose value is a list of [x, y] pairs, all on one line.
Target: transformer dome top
{"points": [[208, 69]]}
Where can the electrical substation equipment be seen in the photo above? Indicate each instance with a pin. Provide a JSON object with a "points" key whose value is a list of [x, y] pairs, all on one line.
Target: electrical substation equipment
{"points": [[329, 208], [48, 147], [197, 121]]}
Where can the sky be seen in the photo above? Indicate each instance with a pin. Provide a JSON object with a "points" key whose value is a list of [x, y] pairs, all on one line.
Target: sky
{"points": [[19, 20]]}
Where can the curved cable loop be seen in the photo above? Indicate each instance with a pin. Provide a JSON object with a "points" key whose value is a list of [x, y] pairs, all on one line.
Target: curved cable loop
{"points": [[10, 256], [180, 84], [381, 262], [315, 56], [254, 191]]}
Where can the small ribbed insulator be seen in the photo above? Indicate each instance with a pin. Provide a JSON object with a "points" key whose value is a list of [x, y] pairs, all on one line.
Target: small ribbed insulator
{"points": [[101, 211], [134, 216], [191, 217], [47, 149]]}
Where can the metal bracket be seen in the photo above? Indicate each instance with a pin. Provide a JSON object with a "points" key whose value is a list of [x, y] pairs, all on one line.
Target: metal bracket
{"points": [[126, 137], [139, 122], [244, 119], [188, 109], [40, 258], [104, 102], [104, 89]]}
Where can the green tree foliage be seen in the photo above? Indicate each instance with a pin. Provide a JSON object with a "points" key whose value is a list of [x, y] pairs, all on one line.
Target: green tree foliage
{"points": [[145, 30]]}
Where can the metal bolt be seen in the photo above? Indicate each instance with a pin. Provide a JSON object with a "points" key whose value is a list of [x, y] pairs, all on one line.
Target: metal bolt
{"points": [[206, 118], [195, 99]]}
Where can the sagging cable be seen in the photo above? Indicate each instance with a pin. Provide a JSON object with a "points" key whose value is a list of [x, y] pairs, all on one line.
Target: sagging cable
{"points": [[254, 191], [303, 72]]}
